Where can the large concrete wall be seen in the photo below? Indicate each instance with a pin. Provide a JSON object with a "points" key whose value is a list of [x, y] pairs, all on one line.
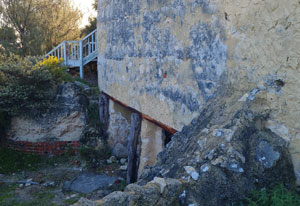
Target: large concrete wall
{"points": [[140, 41], [247, 46]]}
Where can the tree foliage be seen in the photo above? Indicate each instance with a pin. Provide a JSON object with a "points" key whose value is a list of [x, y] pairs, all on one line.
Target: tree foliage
{"points": [[33, 27]]}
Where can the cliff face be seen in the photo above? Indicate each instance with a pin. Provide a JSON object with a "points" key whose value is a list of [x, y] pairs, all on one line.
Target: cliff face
{"points": [[168, 58], [65, 122]]}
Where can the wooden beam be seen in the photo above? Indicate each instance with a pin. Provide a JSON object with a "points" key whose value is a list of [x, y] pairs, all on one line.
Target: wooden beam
{"points": [[103, 111], [133, 141]]}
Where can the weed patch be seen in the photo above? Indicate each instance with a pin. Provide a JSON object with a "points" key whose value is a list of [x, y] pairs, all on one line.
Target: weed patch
{"points": [[14, 161], [278, 196]]}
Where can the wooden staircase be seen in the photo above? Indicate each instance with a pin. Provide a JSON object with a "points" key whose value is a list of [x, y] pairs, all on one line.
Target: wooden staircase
{"points": [[77, 53]]}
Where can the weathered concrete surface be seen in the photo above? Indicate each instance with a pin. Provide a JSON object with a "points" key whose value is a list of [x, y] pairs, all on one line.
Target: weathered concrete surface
{"points": [[65, 122], [150, 56], [199, 45], [152, 143]]}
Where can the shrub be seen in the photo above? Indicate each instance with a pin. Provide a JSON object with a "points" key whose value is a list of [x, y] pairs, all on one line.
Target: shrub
{"points": [[53, 65], [24, 90], [27, 85]]}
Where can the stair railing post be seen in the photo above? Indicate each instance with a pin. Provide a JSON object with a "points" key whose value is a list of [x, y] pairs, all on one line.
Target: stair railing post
{"points": [[81, 60], [65, 53]]}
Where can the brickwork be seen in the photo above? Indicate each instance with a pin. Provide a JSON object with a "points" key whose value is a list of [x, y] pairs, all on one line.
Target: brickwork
{"points": [[45, 148]]}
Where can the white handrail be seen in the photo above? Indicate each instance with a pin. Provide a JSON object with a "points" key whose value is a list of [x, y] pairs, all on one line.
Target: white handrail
{"points": [[77, 53], [54, 49], [89, 35]]}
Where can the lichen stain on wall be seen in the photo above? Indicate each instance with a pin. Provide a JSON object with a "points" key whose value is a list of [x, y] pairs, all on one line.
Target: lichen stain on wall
{"points": [[141, 41]]}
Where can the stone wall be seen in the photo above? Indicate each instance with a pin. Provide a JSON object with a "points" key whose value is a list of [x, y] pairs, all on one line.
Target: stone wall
{"points": [[151, 140], [118, 129], [167, 58]]}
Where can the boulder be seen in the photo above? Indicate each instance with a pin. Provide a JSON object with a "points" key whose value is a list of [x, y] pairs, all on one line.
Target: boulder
{"points": [[87, 183], [224, 154]]}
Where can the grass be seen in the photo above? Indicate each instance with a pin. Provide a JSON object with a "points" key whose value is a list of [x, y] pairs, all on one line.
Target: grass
{"points": [[42, 198], [6, 193], [13, 161], [277, 196], [7, 198]]}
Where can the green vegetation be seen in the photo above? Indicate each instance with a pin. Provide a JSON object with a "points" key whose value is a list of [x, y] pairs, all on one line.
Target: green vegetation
{"points": [[12, 161], [6, 193], [277, 196], [7, 197], [28, 85], [94, 119], [34, 27], [45, 197], [24, 89], [93, 154]]}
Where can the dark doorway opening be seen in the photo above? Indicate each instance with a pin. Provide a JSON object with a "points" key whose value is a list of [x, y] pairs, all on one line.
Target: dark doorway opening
{"points": [[168, 137]]}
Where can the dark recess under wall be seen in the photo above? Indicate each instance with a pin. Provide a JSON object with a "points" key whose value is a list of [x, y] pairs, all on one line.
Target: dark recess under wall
{"points": [[170, 130]]}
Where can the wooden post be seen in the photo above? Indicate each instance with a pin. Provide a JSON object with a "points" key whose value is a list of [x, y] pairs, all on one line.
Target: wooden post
{"points": [[133, 140], [103, 111], [81, 61]]}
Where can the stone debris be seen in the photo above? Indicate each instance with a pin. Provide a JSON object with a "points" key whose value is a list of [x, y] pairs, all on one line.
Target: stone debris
{"points": [[123, 161], [161, 182], [266, 154], [123, 167], [192, 172], [49, 184], [113, 159], [160, 191], [85, 202], [27, 183], [205, 167]]}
